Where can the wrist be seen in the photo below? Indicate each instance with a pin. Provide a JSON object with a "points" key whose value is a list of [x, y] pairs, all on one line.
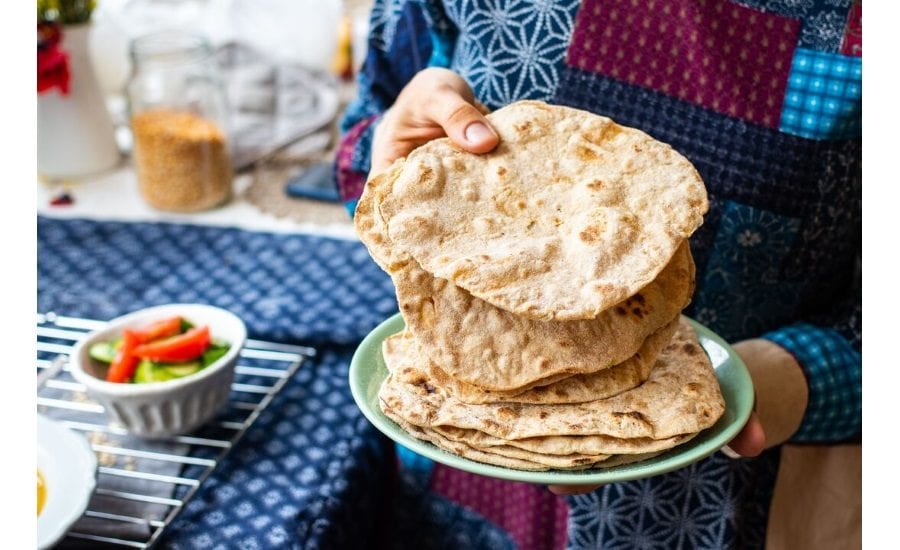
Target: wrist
{"points": [[781, 389]]}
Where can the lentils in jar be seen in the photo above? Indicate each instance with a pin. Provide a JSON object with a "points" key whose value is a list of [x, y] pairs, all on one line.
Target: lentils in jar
{"points": [[182, 160]]}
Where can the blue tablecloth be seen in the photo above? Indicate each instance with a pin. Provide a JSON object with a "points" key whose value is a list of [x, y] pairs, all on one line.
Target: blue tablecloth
{"points": [[286, 288], [311, 472]]}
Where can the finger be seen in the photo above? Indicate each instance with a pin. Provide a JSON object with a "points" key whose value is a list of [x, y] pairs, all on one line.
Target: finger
{"points": [[463, 122], [751, 440], [379, 164], [566, 490], [386, 148], [384, 156], [378, 159]]}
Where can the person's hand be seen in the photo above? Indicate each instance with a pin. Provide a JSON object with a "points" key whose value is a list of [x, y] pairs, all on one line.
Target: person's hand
{"points": [[781, 398], [435, 103]]}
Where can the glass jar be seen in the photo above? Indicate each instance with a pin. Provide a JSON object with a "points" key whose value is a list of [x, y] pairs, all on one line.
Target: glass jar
{"points": [[178, 114]]}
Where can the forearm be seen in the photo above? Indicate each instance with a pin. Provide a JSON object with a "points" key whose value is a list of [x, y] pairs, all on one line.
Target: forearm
{"points": [[833, 373], [781, 389]]}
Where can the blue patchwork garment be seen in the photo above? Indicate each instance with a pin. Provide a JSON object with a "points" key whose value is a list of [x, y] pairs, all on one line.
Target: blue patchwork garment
{"points": [[764, 97]]}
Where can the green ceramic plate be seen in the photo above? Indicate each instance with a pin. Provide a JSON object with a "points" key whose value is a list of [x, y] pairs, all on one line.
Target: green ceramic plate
{"points": [[367, 372]]}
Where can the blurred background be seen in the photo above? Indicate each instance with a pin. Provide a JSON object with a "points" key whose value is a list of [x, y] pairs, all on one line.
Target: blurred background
{"points": [[231, 98]]}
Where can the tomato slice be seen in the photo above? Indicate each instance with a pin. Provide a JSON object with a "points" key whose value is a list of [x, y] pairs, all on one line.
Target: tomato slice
{"points": [[159, 329], [125, 362], [183, 347]]}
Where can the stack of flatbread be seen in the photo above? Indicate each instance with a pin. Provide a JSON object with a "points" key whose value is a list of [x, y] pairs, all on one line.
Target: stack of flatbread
{"points": [[542, 286]]}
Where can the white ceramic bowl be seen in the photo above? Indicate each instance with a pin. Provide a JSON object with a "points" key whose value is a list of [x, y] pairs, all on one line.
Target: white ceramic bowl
{"points": [[69, 468], [161, 409]]}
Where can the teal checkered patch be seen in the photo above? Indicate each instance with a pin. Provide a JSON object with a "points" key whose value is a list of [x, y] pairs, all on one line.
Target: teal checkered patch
{"points": [[823, 99]]}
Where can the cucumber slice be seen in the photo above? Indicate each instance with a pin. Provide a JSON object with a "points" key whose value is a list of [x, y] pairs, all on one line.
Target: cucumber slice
{"points": [[181, 369], [104, 351], [147, 371]]}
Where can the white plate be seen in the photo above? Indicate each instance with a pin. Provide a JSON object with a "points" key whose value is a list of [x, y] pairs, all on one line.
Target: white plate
{"points": [[69, 467]]}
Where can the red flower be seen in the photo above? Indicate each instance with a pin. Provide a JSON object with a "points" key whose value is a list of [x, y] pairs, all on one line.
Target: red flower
{"points": [[52, 61]]}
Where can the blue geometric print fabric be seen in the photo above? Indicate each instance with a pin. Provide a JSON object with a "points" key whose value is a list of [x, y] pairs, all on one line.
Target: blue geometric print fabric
{"points": [[511, 49], [501, 37], [715, 503], [823, 99], [286, 288], [308, 474], [311, 472]]}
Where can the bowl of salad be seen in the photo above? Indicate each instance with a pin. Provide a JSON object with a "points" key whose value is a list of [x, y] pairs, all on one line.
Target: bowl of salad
{"points": [[163, 370]]}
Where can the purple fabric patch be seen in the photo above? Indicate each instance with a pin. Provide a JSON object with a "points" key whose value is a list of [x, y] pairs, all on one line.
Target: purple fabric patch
{"points": [[534, 517], [720, 55], [351, 182]]}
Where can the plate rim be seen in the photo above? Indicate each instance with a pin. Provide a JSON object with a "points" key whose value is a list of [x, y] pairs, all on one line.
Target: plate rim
{"points": [[616, 474], [54, 532]]}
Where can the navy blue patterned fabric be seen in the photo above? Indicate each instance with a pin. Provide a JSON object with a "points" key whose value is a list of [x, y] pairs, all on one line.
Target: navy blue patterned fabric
{"points": [[511, 49], [311, 473], [715, 503], [308, 474], [286, 288], [823, 22], [748, 236]]}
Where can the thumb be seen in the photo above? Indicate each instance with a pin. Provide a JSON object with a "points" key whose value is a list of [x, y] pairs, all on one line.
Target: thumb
{"points": [[751, 440], [464, 124]]}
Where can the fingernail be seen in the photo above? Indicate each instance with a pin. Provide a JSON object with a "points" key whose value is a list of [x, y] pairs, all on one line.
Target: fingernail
{"points": [[478, 132], [729, 452]]}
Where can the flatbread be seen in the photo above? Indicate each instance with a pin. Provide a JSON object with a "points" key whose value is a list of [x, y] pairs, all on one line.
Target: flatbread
{"points": [[477, 343], [465, 451], [574, 463], [369, 223], [407, 360], [682, 396], [565, 445], [570, 215], [474, 342]]}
